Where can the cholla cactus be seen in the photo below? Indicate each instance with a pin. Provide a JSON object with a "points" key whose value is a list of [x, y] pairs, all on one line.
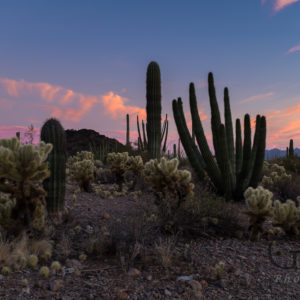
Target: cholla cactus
{"points": [[118, 165], [219, 268], [259, 202], [83, 173], [22, 172], [136, 165], [171, 186], [287, 216], [275, 176]]}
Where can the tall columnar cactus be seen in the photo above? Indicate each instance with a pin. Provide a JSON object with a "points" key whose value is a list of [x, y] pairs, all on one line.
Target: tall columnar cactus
{"points": [[153, 108], [291, 149], [233, 170], [18, 135], [127, 131], [53, 132]]}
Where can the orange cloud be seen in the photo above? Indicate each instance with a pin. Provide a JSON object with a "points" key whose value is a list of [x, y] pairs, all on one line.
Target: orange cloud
{"points": [[293, 49], [280, 4], [257, 97], [115, 106], [283, 125]]}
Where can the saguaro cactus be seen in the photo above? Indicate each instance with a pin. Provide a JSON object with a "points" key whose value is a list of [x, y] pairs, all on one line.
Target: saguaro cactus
{"points": [[53, 132], [232, 171], [153, 108]]}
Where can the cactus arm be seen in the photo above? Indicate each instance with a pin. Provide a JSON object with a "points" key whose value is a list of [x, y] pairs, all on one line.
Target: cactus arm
{"points": [[215, 116], [229, 135], [144, 135], [211, 166], [259, 160], [190, 148], [225, 163], [253, 153], [140, 144], [238, 147], [166, 137]]}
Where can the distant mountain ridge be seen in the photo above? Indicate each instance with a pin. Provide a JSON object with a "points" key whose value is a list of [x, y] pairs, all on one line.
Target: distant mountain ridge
{"points": [[275, 153]]}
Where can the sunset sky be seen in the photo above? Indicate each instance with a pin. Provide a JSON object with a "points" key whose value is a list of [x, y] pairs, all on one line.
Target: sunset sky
{"points": [[84, 62]]}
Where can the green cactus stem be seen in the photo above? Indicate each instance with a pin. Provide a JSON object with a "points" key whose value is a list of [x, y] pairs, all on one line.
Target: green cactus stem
{"points": [[53, 132], [153, 108]]}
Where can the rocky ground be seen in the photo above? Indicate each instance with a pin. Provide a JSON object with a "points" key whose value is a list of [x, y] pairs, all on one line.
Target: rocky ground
{"points": [[128, 257]]}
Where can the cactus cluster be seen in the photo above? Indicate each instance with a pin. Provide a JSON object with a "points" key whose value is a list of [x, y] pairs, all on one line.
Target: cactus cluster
{"points": [[83, 169], [171, 186], [23, 168], [275, 176], [287, 216], [259, 202], [118, 166], [234, 169]]}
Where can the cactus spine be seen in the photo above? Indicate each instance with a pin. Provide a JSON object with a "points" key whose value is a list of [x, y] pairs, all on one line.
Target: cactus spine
{"points": [[153, 108], [53, 132], [233, 171]]}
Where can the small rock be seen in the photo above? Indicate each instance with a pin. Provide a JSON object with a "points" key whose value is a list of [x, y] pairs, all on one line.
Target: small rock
{"points": [[106, 216], [185, 278], [89, 229], [149, 277], [220, 283], [134, 272], [1, 277], [196, 285], [73, 263], [56, 285], [168, 293], [204, 284]]}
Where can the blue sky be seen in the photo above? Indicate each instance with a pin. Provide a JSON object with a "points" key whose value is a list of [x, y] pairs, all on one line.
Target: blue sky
{"points": [[85, 62]]}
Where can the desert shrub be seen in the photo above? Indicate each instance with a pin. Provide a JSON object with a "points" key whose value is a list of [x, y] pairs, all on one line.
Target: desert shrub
{"points": [[172, 187]]}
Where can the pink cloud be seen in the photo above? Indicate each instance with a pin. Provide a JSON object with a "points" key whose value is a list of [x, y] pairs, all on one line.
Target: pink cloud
{"points": [[280, 4], [257, 97], [293, 49]]}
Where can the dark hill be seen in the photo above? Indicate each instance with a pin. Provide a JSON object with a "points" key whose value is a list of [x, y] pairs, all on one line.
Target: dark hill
{"points": [[80, 140]]}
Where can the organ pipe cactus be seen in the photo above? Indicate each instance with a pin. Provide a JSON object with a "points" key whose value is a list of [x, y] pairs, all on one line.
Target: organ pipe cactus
{"points": [[153, 108], [53, 132], [232, 170]]}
